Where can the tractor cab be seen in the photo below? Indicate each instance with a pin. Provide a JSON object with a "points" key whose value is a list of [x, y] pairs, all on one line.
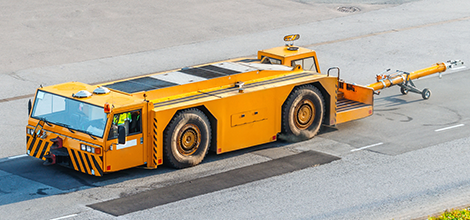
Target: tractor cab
{"points": [[290, 55]]}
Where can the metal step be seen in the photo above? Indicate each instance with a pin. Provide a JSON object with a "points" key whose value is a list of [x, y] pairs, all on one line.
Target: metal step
{"points": [[343, 105]]}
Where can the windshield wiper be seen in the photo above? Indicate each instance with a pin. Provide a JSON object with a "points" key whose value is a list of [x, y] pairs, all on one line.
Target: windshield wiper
{"points": [[45, 121], [65, 126], [89, 133], [68, 127]]}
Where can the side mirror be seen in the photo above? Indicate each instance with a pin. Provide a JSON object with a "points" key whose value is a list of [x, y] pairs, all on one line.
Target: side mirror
{"points": [[121, 134], [30, 106]]}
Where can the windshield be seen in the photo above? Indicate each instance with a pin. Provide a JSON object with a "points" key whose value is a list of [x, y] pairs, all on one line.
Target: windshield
{"points": [[69, 113]]}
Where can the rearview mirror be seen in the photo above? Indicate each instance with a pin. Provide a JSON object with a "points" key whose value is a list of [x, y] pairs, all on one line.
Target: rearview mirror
{"points": [[121, 134], [29, 107]]}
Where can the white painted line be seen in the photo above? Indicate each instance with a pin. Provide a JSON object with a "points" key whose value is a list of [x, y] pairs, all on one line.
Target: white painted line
{"points": [[64, 217], [18, 156], [455, 126], [369, 146]]}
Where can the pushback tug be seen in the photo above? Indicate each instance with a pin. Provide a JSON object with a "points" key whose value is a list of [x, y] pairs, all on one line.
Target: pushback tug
{"points": [[178, 116]]}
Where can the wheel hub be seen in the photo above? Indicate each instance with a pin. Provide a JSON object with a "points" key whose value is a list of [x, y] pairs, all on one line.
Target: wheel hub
{"points": [[304, 113], [188, 139]]}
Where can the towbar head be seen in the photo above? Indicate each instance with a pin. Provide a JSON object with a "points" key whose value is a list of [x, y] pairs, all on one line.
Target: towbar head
{"points": [[454, 63]]}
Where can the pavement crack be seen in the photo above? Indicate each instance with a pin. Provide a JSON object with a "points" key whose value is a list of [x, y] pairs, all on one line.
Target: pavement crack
{"points": [[16, 76]]}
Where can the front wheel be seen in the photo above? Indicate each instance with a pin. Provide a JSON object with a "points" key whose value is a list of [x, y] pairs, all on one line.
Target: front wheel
{"points": [[187, 139], [302, 114]]}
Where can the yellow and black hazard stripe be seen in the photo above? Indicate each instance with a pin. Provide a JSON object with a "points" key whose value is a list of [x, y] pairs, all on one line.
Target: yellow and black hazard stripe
{"points": [[37, 147], [86, 163], [155, 146]]}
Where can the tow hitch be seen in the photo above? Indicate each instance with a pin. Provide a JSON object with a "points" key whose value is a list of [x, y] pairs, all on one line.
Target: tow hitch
{"points": [[57, 153]]}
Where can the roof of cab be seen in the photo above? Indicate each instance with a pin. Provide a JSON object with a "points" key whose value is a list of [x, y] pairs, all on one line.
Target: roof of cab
{"points": [[284, 52], [70, 88]]}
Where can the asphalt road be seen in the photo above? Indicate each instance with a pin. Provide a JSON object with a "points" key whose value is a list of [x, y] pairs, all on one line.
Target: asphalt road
{"points": [[408, 160]]}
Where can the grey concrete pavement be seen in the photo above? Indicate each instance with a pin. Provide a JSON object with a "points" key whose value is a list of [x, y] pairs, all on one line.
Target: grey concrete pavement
{"points": [[51, 32], [362, 185]]}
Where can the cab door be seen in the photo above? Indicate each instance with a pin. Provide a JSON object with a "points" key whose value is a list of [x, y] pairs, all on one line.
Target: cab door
{"points": [[130, 154]]}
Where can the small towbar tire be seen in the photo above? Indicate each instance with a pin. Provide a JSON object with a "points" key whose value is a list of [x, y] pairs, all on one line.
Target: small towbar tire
{"points": [[426, 93], [403, 91]]}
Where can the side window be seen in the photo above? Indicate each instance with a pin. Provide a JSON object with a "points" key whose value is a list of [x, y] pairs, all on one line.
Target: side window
{"points": [[131, 121], [307, 64], [297, 62]]}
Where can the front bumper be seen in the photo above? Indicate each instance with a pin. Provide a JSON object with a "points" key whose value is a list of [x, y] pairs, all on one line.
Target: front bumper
{"points": [[78, 160]]}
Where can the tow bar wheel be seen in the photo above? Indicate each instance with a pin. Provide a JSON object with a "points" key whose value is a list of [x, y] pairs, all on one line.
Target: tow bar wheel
{"points": [[187, 139], [302, 114], [426, 93]]}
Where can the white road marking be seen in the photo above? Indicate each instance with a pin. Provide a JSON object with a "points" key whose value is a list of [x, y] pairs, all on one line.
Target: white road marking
{"points": [[369, 146], [64, 217], [18, 156], [447, 128]]}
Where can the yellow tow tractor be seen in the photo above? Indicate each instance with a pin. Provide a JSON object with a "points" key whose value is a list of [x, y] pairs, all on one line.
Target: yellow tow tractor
{"points": [[177, 116]]}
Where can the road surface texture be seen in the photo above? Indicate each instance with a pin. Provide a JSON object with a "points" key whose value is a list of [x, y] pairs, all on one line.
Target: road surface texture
{"points": [[408, 160]]}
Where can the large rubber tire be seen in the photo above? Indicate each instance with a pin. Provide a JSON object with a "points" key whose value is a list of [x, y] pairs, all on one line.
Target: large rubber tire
{"points": [[302, 114], [186, 139]]}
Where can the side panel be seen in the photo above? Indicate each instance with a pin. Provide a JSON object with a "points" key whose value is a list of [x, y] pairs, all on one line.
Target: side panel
{"points": [[329, 88], [357, 93], [158, 121], [356, 102], [248, 118]]}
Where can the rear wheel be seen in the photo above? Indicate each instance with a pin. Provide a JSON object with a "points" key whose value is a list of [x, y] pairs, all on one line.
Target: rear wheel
{"points": [[302, 114], [187, 139]]}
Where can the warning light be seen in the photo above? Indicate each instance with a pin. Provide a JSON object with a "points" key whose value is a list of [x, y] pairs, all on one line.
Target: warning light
{"points": [[107, 108], [292, 37]]}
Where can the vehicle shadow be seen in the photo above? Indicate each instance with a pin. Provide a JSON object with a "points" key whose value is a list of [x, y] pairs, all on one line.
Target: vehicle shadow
{"points": [[65, 180]]}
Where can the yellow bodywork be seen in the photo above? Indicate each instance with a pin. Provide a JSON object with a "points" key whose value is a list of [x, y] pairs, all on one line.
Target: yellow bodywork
{"points": [[244, 109], [354, 102]]}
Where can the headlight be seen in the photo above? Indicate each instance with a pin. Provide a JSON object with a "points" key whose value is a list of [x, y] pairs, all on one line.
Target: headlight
{"points": [[90, 149], [29, 131]]}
